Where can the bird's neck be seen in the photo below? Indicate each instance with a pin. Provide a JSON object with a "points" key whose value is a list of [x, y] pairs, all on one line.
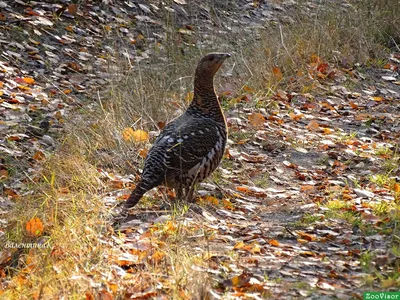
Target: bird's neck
{"points": [[205, 101]]}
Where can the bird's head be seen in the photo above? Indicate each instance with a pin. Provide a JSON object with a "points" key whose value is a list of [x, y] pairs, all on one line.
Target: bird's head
{"points": [[210, 64]]}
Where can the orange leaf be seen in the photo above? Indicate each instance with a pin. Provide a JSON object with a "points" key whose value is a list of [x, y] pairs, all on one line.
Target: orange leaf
{"points": [[143, 153], [34, 227], [157, 256], [28, 80], [243, 189], [295, 117], [211, 200], [39, 155], [277, 73], [274, 243], [353, 105], [239, 245], [313, 125], [247, 89], [306, 236], [396, 187], [256, 119]]}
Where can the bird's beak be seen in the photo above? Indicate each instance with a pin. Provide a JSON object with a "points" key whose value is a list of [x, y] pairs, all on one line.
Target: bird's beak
{"points": [[225, 56]]}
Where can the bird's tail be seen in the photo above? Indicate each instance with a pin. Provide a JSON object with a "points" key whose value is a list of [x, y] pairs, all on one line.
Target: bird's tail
{"points": [[136, 195]]}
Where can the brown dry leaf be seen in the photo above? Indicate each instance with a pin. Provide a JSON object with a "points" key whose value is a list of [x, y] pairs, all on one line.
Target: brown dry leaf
{"points": [[39, 155], [72, 9], [274, 243], [256, 119], [295, 117], [277, 73], [3, 173], [353, 105], [307, 187], [306, 236], [105, 295], [160, 125], [34, 227], [247, 89], [313, 126]]}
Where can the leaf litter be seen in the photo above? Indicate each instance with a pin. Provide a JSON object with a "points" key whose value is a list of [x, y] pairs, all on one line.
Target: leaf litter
{"points": [[290, 166]]}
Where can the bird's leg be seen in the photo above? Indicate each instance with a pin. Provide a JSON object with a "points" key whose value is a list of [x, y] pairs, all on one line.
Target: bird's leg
{"points": [[189, 192]]}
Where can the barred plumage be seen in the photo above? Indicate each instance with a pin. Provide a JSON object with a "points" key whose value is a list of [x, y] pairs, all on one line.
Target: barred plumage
{"points": [[190, 147]]}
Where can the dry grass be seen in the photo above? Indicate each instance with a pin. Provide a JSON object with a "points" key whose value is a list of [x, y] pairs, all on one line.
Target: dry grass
{"points": [[66, 197]]}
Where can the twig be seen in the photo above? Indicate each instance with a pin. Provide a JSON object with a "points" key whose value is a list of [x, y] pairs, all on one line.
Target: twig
{"points": [[289, 231], [283, 44]]}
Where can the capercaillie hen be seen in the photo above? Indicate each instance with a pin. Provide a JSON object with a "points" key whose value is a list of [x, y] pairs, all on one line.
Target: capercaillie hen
{"points": [[190, 147]]}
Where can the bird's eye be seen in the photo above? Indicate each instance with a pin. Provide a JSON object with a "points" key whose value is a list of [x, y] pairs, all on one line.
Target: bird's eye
{"points": [[211, 58]]}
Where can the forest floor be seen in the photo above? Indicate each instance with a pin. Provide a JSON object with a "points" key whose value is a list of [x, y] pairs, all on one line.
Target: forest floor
{"points": [[305, 204]]}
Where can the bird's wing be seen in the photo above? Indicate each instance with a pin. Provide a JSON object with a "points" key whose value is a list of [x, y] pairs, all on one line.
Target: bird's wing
{"points": [[182, 145]]}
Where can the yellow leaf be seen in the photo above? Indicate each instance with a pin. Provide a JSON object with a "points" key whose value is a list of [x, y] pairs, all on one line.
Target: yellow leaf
{"points": [[129, 134], [170, 226], [327, 130], [256, 119], [189, 97], [235, 281], [377, 98], [239, 245], [34, 227], [388, 283]]}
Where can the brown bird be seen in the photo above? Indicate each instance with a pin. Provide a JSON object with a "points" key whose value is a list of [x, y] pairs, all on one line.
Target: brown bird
{"points": [[190, 147]]}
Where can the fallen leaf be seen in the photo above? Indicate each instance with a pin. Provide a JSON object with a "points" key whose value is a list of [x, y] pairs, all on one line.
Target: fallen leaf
{"points": [[274, 243], [256, 119], [313, 126], [34, 227], [277, 73]]}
